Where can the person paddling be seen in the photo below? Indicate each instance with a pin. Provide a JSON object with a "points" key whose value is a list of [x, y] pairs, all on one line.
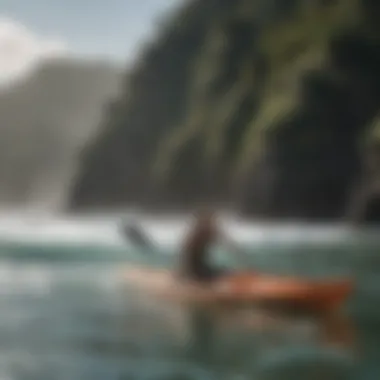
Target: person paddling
{"points": [[196, 248], [195, 251]]}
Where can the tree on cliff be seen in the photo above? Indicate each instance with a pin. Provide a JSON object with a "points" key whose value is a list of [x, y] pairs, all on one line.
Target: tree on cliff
{"points": [[261, 103]]}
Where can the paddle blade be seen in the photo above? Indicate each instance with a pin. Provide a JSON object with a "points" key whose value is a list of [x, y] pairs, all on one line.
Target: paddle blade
{"points": [[137, 236]]}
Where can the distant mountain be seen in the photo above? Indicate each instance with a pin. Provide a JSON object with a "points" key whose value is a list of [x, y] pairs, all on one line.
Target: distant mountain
{"points": [[44, 120]]}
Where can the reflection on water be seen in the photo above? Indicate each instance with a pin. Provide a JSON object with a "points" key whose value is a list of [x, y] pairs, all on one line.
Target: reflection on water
{"points": [[66, 313], [80, 322]]}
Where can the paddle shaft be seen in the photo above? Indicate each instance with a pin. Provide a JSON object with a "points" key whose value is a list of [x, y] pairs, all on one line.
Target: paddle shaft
{"points": [[139, 238]]}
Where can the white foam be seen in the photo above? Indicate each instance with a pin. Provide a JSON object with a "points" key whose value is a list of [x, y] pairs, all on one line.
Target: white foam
{"points": [[166, 232]]}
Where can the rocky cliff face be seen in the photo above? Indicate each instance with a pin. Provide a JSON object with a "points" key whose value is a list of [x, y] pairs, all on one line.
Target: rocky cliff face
{"points": [[314, 155], [261, 104]]}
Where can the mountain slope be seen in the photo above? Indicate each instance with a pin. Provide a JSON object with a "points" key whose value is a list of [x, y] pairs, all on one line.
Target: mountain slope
{"points": [[44, 120], [262, 104]]}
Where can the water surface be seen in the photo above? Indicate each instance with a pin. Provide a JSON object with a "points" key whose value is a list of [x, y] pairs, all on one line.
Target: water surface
{"points": [[67, 314]]}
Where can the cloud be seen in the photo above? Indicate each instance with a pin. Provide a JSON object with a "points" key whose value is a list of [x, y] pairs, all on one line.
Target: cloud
{"points": [[21, 49]]}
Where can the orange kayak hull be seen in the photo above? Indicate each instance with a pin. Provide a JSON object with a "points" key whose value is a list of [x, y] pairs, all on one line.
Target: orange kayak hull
{"points": [[312, 295], [293, 293]]}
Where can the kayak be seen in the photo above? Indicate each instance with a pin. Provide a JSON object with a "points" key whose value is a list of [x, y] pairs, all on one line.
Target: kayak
{"points": [[296, 293], [249, 288]]}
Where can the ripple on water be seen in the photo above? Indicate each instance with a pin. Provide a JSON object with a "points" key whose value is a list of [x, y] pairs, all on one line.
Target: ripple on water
{"points": [[78, 322]]}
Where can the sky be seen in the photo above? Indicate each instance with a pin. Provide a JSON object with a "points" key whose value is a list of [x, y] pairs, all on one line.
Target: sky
{"points": [[33, 30]]}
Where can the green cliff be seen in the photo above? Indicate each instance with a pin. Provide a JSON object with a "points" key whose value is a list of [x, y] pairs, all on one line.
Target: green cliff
{"points": [[262, 104]]}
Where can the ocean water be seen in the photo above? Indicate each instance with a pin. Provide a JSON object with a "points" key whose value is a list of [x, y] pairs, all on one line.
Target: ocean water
{"points": [[66, 313]]}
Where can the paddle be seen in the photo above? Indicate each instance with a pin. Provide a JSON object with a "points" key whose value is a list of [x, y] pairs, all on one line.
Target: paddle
{"points": [[137, 236]]}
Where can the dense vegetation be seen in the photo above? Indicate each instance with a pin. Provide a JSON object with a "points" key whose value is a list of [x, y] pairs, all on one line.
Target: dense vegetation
{"points": [[44, 119], [263, 104]]}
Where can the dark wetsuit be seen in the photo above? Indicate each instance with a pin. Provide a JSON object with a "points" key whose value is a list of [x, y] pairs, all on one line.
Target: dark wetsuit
{"points": [[194, 265]]}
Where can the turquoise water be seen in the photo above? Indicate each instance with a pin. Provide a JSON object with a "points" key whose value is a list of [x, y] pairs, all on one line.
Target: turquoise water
{"points": [[66, 313]]}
